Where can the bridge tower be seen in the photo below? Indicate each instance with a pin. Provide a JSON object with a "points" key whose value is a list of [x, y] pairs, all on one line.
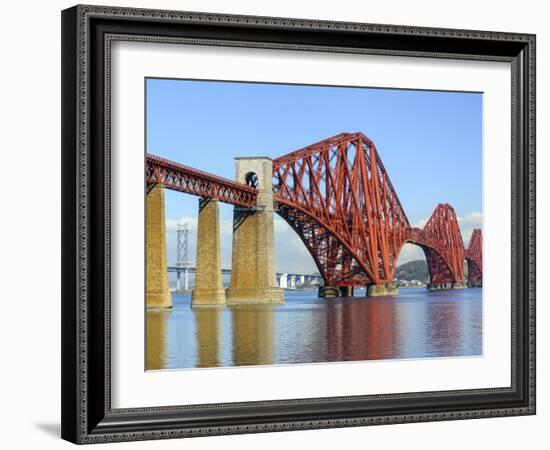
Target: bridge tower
{"points": [[208, 289], [253, 278], [182, 257], [158, 292]]}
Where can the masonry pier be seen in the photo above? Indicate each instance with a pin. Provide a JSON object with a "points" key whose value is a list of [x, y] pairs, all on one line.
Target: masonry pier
{"points": [[446, 286], [208, 290], [253, 277], [158, 291], [335, 291], [382, 290]]}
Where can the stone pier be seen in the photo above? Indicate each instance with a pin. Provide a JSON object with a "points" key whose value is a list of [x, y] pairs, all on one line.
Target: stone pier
{"points": [[460, 285], [208, 290], [335, 291], [157, 289], [446, 286], [253, 277], [382, 290]]}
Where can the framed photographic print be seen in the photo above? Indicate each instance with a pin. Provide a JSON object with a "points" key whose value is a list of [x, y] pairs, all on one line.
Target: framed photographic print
{"points": [[280, 224]]}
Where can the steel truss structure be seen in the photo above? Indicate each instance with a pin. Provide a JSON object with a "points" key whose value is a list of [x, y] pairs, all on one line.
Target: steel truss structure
{"points": [[442, 243], [179, 177], [474, 258], [338, 197]]}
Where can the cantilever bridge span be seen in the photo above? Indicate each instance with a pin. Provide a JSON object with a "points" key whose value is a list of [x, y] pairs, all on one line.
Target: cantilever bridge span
{"points": [[337, 196]]}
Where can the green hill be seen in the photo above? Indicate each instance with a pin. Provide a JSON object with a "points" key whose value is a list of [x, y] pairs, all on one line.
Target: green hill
{"points": [[412, 270]]}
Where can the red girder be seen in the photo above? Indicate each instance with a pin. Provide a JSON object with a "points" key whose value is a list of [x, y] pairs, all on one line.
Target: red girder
{"points": [[338, 197], [442, 243], [186, 179], [474, 258]]}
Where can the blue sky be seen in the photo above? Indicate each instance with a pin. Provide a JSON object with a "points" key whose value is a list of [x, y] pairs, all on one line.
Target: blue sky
{"points": [[430, 143]]}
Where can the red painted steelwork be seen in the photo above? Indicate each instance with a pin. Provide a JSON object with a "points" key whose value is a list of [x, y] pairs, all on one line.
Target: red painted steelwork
{"points": [[337, 196], [186, 179], [442, 243], [474, 258]]}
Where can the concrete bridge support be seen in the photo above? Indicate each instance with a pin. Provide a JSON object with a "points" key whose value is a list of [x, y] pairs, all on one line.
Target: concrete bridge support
{"points": [[292, 282], [186, 280], [208, 290], [382, 290], [446, 286], [182, 285], [157, 289], [253, 277], [335, 291]]}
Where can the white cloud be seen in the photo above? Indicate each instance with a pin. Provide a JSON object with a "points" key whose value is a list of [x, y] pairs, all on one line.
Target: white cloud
{"points": [[410, 252], [474, 217], [468, 223], [421, 223], [171, 224], [290, 252]]}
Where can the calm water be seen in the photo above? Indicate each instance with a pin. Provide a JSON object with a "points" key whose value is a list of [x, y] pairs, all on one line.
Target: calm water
{"points": [[306, 329]]}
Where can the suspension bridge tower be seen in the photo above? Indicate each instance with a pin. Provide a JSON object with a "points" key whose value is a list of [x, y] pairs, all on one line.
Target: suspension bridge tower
{"points": [[182, 257]]}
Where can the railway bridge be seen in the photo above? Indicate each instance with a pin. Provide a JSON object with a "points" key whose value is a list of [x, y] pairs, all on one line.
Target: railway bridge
{"points": [[335, 194]]}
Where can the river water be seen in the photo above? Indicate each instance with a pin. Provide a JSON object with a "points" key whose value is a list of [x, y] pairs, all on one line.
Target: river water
{"points": [[415, 324]]}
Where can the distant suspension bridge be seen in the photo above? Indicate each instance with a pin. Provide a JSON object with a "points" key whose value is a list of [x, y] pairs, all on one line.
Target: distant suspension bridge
{"points": [[183, 268]]}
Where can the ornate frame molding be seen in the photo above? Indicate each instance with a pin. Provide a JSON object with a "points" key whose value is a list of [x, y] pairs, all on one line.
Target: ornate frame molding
{"points": [[87, 421]]}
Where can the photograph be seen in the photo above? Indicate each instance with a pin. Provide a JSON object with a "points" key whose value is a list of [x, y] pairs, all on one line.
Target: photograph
{"points": [[296, 224]]}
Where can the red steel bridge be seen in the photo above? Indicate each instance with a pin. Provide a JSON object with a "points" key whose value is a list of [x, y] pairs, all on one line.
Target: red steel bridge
{"points": [[337, 196]]}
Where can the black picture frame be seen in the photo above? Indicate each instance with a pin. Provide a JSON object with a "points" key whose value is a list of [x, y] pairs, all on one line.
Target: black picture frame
{"points": [[87, 416]]}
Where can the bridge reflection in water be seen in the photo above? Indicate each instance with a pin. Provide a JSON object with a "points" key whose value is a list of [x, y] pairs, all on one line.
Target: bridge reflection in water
{"points": [[417, 324]]}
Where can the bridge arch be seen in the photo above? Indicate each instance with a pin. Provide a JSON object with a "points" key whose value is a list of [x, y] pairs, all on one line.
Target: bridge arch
{"points": [[475, 273], [337, 262], [442, 243], [439, 272], [474, 259]]}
